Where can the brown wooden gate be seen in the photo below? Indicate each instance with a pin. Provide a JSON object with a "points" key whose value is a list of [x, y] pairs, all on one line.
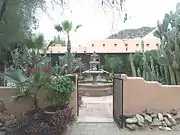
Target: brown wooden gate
{"points": [[78, 97], [118, 101]]}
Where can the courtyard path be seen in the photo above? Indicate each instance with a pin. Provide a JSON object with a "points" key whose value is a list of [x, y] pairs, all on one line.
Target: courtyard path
{"points": [[96, 107], [96, 119], [110, 129], [94, 129]]}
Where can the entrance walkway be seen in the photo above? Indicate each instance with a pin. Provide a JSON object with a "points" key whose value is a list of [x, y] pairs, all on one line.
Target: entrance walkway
{"points": [[95, 117], [94, 129], [96, 107], [111, 129], [94, 120]]}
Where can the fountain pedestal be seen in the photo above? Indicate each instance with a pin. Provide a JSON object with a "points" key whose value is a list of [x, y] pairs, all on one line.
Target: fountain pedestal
{"points": [[94, 86]]}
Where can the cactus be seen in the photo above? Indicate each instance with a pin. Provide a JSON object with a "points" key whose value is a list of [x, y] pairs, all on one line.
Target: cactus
{"points": [[154, 76], [157, 73], [168, 56], [138, 72], [165, 64], [146, 69], [170, 46], [133, 69]]}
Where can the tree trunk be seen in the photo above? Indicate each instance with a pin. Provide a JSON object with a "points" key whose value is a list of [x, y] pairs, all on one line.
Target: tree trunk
{"points": [[3, 9], [69, 63], [35, 102], [2, 67]]}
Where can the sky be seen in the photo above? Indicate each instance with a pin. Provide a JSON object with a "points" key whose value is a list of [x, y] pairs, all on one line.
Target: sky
{"points": [[99, 24]]}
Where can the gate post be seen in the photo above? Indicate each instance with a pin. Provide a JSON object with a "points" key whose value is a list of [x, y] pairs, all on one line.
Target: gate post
{"points": [[118, 115], [77, 92]]}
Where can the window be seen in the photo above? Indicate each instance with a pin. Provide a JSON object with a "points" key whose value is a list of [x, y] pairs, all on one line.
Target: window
{"points": [[115, 44], [147, 44], [92, 44], [137, 44], [103, 44], [157, 44], [126, 44], [84, 51]]}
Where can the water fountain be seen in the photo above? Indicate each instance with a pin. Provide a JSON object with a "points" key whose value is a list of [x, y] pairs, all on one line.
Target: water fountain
{"points": [[95, 82]]}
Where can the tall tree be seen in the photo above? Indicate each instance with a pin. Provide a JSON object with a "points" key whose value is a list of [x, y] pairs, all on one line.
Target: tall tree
{"points": [[17, 19], [67, 27]]}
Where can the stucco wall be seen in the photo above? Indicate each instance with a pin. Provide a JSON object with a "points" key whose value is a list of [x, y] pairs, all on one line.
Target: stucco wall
{"points": [[109, 46], [18, 108], [140, 94]]}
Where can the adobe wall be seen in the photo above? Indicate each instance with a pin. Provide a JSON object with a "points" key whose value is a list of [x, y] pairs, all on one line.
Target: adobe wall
{"points": [[140, 94], [18, 108]]}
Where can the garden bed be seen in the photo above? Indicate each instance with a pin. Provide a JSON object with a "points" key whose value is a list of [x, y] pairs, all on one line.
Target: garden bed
{"points": [[36, 122]]}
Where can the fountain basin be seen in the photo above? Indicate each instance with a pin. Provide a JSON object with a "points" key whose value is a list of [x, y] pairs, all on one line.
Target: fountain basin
{"points": [[92, 72], [95, 90]]}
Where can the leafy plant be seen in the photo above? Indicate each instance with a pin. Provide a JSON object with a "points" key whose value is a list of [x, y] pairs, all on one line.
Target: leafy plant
{"points": [[30, 77], [59, 90], [31, 85], [117, 64]]}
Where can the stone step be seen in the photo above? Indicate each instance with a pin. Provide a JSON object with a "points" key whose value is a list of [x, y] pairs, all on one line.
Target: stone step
{"points": [[98, 102], [90, 119]]}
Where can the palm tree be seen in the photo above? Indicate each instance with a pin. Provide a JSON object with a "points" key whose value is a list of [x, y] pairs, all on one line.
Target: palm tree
{"points": [[66, 27]]}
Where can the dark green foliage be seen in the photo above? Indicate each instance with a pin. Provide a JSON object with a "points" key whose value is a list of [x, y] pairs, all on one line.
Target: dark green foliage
{"points": [[17, 20], [163, 64], [59, 90], [117, 64], [132, 65], [76, 62], [155, 72]]}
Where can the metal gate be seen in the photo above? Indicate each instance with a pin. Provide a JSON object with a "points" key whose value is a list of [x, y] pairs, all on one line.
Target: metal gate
{"points": [[78, 97], [118, 102]]}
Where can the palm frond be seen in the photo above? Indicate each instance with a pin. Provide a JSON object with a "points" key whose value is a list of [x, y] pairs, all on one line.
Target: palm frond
{"points": [[18, 96], [15, 76], [50, 44], [77, 27], [67, 26], [58, 28]]}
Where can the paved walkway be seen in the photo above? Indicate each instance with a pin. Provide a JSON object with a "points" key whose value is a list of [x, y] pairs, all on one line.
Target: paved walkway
{"points": [[110, 128], [96, 119], [94, 129], [96, 107]]}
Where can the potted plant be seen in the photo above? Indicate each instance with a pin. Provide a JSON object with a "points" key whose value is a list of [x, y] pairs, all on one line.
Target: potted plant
{"points": [[59, 92], [59, 95]]}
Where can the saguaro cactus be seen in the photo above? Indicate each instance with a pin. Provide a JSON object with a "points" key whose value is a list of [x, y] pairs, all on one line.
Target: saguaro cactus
{"points": [[133, 69], [170, 46], [146, 68]]}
